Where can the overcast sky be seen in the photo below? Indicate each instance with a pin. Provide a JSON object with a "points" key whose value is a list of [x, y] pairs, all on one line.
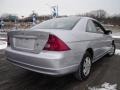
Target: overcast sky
{"points": [[66, 7]]}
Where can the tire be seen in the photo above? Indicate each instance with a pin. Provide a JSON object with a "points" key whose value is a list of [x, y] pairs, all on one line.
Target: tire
{"points": [[81, 73], [112, 52]]}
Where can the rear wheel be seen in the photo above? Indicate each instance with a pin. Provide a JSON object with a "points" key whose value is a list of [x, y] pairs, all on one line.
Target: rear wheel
{"points": [[84, 67], [112, 51]]}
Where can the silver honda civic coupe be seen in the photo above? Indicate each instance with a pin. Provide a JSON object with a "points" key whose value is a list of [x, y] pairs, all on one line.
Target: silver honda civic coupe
{"points": [[60, 46]]}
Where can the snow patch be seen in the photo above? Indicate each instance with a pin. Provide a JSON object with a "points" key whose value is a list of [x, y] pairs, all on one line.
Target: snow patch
{"points": [[117, 52], [116, 36], [105, 86], [2, 38], [3, 44]]}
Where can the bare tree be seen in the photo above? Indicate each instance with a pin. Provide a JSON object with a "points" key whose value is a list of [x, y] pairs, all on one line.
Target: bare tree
{"points": [[9, 17], [99, 14]]}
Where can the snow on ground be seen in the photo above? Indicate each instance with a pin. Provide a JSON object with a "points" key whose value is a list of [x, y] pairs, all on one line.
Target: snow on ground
{"points": [[105, 86], [117, 52], [116, 36], [3, 44], [2, 38]]}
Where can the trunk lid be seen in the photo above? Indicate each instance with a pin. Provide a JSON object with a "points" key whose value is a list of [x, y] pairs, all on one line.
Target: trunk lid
{"points": [[28, 41]]}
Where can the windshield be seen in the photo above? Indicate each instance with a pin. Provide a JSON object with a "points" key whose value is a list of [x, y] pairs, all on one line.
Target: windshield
{"points": [[58, 23]]}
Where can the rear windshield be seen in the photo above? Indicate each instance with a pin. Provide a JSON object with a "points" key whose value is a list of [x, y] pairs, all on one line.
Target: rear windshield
{"points": [[58, 23]]}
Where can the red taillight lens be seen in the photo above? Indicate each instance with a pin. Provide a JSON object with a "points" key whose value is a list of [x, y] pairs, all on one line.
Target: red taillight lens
{"points": [[55, 44]]}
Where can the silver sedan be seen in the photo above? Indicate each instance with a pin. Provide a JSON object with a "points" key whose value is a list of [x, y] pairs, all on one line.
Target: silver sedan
{"points": [[60, 46]]}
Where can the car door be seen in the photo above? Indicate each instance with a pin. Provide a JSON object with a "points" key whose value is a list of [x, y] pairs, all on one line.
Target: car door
{"points": [[106, 38], [98, 42]]}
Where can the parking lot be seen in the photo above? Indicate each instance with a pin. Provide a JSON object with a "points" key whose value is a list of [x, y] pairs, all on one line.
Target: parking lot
{"points": [[107, 69]]}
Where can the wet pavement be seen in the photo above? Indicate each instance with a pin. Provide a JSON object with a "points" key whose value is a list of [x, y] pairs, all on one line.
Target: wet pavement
{"points": [[12, 77]]}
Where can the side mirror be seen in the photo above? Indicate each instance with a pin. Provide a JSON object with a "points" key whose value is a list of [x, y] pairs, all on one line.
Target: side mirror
{"points": [[108, 32]]}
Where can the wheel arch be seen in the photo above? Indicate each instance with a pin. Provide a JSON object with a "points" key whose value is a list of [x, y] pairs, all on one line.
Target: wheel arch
{"points": [[90, 50], [113, 41]]}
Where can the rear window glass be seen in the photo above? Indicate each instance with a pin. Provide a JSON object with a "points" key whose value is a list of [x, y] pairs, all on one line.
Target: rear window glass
{"points": [[58, 23]]}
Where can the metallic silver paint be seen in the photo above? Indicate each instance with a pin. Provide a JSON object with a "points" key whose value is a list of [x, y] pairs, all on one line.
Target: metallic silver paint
{"points": [[61, 62]]}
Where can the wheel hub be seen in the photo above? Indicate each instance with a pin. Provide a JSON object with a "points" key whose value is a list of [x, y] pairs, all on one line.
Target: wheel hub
{"points": [[87, 66]]}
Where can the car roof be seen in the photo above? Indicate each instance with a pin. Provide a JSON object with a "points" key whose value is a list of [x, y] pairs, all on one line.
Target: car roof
{"points": [[81, 17]]}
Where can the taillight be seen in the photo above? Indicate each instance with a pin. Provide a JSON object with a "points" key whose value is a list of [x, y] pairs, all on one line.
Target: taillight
{"points": [[8, 40], [55, 44]]}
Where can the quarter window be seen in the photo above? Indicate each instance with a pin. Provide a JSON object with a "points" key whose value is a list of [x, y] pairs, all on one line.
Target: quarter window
{"points": [[99, 27], [95, 27], [91, 27]]}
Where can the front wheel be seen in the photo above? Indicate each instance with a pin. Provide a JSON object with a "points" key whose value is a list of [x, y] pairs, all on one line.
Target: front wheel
{"points": [[84, 67]]}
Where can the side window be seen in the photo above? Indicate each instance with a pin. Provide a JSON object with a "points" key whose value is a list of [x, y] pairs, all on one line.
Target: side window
{"points": [[91, 27], [94, 27], [99, 27]]}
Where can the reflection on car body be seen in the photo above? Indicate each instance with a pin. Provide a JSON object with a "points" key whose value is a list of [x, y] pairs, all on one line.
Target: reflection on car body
{"points": [[60, 46]]}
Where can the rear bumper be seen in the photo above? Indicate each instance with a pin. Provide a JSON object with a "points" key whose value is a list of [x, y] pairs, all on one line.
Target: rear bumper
{"points": [[43, 70], [51, 63]]}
